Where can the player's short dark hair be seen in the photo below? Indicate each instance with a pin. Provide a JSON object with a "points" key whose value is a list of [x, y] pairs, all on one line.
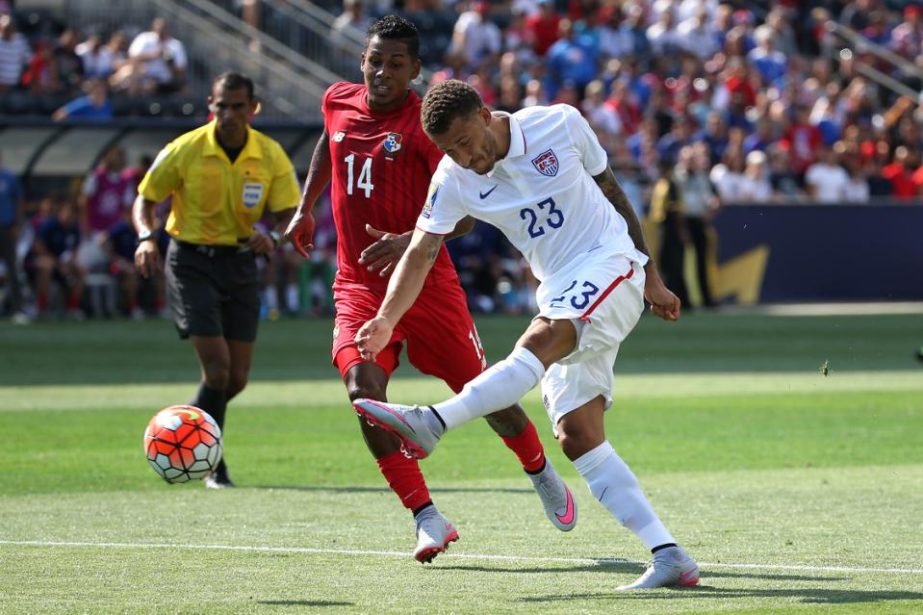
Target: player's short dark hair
{"points": [[392, 27], [234, 81], [446, 101]]}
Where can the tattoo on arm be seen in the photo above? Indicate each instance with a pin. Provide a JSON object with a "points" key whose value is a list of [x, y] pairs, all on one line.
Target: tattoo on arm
{"points": [[613, 191], [430, 245]]}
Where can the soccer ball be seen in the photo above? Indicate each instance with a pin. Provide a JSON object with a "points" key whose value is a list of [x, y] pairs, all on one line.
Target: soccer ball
{"points": [[182, 443]]}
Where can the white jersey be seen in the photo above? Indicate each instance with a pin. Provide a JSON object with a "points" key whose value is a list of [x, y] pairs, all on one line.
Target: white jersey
{"points": [[542, 195]]}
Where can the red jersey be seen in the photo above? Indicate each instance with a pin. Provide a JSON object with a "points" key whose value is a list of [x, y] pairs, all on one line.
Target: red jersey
{"points": [[382, 165]]}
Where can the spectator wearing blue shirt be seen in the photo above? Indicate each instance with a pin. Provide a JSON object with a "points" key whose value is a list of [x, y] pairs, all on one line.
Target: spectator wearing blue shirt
{"points": [[681, 135], [571, 59], [714, 135], [762, 137], [11, 206], [94, 107], [770, 63], [633, 30], [121, 243], [54, 259]]}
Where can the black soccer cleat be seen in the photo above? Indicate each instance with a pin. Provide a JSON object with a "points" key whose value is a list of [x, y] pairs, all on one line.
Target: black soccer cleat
{"points": [[219, 479]]}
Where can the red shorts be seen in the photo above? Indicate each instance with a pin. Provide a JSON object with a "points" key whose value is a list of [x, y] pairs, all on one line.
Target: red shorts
{"points": [[438, 330]]}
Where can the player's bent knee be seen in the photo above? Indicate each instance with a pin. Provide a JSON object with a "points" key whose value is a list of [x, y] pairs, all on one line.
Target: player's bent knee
{"points": [[575, 444], [236, 384], [217, 375], [366, 391]]}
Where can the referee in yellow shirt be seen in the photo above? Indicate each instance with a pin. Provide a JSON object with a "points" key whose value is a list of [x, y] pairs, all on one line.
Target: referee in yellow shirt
{"points": [[221, 177]]}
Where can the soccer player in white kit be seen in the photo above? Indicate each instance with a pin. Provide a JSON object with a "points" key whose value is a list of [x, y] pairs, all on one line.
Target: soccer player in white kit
{"points": [[541, 177]]}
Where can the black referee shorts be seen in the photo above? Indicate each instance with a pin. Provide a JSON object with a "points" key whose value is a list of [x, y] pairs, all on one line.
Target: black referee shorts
{"points": [[213, 291]]}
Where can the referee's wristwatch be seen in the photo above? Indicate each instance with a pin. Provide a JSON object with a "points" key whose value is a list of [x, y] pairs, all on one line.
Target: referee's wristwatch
{"points": [[146, 235], [276, 237]]}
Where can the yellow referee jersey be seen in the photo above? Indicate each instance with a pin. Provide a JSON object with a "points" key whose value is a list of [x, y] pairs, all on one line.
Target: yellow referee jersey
{"points": [[216, 202]]}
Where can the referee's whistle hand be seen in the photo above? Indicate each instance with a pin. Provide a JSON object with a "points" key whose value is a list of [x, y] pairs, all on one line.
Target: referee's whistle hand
{"points": [[147, 259], [261, 243]]}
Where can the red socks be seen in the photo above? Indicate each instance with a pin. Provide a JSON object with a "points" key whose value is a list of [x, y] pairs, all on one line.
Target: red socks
{"points": [[405, 478], [528, 448]]}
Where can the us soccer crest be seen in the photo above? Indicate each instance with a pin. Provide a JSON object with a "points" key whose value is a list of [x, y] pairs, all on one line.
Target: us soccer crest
{"points": [[546, 163], [392, 142]]}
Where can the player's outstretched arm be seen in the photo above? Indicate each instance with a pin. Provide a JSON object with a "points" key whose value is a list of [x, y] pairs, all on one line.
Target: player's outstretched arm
{"points": [[300, 230], [613, 191], [387, 249], [663, 302], [384, 253], [403, 289]]}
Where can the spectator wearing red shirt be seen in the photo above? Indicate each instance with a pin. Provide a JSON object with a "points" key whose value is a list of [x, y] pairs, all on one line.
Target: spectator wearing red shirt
{"points": [[623, 102], [738, 84], [802, 140], [40, 76], [544, 26], [917, 179], [901, 173]]}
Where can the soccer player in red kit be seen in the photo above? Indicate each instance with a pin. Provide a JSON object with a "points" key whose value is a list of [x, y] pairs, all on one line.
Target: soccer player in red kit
{"points": [[379, 160]]}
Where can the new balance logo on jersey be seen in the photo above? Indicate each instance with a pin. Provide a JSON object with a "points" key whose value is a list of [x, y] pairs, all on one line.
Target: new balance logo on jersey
{"points": [[546, 163], [484, 195], [338, 136]]}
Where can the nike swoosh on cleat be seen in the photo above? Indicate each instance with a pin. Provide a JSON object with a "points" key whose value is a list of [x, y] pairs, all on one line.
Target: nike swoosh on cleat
{"points": [[484, 195], [452, 536], [397, 416], [409, 448], [568, 517], [687, 579]]}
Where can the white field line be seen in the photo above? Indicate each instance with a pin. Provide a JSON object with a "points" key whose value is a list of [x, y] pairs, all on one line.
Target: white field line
{"points": [[472, 556]]}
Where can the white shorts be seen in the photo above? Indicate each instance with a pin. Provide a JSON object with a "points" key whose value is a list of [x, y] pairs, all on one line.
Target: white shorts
{"points": [[604, 301]]}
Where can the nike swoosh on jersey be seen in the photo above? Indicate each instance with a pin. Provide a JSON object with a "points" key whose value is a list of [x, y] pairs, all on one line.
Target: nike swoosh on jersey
{"points": [[484, 195]]}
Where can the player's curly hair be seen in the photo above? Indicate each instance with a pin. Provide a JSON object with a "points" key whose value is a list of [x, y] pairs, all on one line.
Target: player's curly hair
{"points": [[392, 27], [446, 101]]}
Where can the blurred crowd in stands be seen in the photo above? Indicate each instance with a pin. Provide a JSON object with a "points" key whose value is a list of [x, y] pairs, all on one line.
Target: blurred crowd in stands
{"points": [[49, 68], [716, 103]]}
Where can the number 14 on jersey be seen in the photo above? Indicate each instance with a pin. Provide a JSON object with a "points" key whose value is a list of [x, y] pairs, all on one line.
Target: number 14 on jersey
{"points": [[364, 181]]}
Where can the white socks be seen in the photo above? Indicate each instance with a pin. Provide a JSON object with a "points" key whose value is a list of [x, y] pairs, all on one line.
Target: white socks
{"points": [[613, 483], [271, 298], [291, 298], [499, 387]]}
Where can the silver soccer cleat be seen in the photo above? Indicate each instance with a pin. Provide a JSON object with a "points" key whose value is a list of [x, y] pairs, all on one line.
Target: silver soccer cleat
{"points": [[671, 567], [418, 428], [557, 499], [434, 533]]}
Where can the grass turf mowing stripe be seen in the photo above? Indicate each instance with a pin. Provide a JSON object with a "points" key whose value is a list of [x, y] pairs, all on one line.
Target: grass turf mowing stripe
{"points": [[470, 556], [330, 392]]}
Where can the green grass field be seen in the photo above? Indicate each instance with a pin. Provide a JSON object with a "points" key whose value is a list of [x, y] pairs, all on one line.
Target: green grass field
{"points": [[797, 492]]}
